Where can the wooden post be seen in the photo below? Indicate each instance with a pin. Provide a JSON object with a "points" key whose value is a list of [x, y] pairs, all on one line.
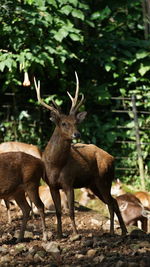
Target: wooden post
{"points": [[138, 145]]}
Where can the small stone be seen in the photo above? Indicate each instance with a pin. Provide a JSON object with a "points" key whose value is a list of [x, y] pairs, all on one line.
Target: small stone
{"points": [[3, 250], [95, 222], [79, 256], [37, 257], [91, 252], [41, 253], [20, 247], [99, 259], [75, 237], [88, 243], [137, 233], [5, 258], [28, 234], [121, 264], [144, 244], [52, 247]]}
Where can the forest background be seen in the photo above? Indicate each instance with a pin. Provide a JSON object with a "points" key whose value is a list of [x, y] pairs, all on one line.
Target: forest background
{"points": [[107, 43]]}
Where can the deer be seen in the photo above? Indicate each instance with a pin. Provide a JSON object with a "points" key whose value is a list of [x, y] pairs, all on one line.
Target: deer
{"points": [[20, 173], [15, 147], [143, 196], [133, 211], [70, 166], [20, 146], [45, 196], [86, 195]]}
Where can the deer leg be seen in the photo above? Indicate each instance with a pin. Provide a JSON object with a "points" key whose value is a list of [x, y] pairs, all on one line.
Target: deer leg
{"points": [[112, 204], [109, 203], [118, 213], [7, 203], [57, 202], [24, 206], [32, 191], [70, 198], [111, 212], [113, 207], [144, 222]]}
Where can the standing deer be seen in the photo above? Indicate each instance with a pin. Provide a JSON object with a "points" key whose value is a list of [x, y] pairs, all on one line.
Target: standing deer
{"points": [[19, 146], [20, 173], [15, 147], [74, 166]]}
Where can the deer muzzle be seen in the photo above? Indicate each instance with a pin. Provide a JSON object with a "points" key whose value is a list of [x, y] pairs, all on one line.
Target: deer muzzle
{"points": [[76, 135]]}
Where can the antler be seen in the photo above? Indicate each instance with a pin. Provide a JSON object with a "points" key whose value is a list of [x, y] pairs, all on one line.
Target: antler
{"points": [[74, 100], [37, 87]]}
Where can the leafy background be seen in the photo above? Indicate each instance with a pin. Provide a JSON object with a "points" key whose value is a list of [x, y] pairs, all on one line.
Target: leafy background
{"points": [[106, 42]]}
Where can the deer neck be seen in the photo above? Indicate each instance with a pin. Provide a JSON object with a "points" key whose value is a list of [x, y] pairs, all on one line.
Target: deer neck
{"points": [[57, 150]]}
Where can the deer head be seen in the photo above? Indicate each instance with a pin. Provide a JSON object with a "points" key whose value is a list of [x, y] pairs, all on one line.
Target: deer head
{"points": [[67, 124]]}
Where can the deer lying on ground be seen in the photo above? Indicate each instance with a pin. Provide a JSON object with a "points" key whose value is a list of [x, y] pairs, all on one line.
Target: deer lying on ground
{"points": [[144, 197], [20, 173], [86, 195], [133, 211], [15, 147], [74, 166], [117, 189], [46, 198]]}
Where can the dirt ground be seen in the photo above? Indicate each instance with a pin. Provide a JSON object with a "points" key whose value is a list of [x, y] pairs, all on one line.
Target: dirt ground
{"points": [[94, 246]]}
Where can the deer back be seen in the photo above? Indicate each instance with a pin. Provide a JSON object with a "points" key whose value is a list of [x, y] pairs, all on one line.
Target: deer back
{"points": [[19, 146]]}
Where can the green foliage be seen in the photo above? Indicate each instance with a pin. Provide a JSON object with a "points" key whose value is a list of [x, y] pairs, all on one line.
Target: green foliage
{"points": [[104, 42]]}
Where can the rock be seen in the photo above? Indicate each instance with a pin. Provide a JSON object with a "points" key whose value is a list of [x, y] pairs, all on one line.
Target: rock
{"points": [[88, 243], [41, 253], [91, 253], [39, 256], [20, 247], [75, 238], [29, 257], [79, 256], [95, 222], [29, 234], [99, 259], [137, 233], [121, 264], [52, 247], [144, 244], [3, 250], [5, 258]]}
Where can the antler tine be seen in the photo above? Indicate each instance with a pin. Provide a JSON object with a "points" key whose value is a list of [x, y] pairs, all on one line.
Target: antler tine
{"points": [[74, 100], [80, 103], [77, 88], [37, 87]]}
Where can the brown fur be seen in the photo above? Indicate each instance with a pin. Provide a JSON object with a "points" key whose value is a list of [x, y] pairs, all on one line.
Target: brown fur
{"points": [[75, 166], [144, 197], [20, 173], [46, 198], [19, 146], [132, 210], [16, 147]]}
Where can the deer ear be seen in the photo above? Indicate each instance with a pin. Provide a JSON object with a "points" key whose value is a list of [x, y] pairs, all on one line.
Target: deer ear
{"points": [[81, 116], [55, 117]]}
